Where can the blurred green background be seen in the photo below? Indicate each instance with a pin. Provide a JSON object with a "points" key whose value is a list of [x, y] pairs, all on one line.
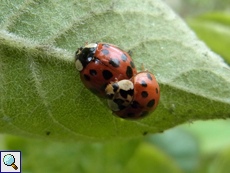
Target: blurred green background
{"points": [[195, 147]]}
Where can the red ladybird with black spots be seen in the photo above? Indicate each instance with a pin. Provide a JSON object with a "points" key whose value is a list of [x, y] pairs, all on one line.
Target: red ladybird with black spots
{"points": [[134, 98], [102, 63]]}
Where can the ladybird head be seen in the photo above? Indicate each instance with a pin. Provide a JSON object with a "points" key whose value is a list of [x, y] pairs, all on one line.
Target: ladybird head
{"points": [[84, 55], [111, 89], [79, 50], [120, 94]]}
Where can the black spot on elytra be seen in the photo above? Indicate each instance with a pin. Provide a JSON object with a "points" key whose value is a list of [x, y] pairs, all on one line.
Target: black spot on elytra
{"points": [[144, 94], [107, 74], [115, 87], [135, 104], [132, 64], [124, 57], [105, 51], [93, 90], [106, 45], [87, 78], [149, 76], [130, 115], [129, 72], [93, 72], [151, 103], [121, 107], [144, 113], [124, 93], [157, 90], [143, 83], [48, 133], [114, 62]]}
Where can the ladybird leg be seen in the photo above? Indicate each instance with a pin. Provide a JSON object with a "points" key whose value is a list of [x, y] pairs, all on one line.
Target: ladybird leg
{"points": [[111, 82], [143, 68], [116, 80]]}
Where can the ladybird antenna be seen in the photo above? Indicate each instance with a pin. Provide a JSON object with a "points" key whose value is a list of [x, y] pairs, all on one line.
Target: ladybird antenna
{"points": [[142, 67]]}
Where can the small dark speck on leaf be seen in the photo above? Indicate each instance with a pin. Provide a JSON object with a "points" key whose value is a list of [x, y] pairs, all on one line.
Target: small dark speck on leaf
{"points": [[145, 133], [130, 52]]}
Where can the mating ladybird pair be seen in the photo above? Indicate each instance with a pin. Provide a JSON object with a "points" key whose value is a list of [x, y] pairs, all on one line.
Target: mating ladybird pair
{"points": [[109, 72]]}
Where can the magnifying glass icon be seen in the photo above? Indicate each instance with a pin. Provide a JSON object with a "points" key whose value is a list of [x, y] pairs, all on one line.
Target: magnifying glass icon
{"points": [[9, 160]]}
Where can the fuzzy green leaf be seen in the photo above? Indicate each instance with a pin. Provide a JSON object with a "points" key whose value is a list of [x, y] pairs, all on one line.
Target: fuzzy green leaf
{"points": [[125, 156], [41, 94], [221, 162], [214, 29]]}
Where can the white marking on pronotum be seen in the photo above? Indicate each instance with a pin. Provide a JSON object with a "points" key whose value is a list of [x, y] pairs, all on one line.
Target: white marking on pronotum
{"points": [[78, 65], [125, 85], [90, 45]]}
